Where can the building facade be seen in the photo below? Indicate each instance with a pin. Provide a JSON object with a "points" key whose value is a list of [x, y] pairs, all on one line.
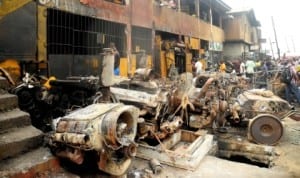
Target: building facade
{"points": [[60, 31], [242, 34]]}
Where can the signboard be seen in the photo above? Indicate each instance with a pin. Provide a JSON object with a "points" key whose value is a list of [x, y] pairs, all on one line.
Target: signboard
{"points": [[254, 47], [215, 46], [262, 40]]}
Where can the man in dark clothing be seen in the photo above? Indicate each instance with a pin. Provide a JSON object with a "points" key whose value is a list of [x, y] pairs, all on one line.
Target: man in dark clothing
{"points": [[117, 58], [291, 87], [236, 65]]}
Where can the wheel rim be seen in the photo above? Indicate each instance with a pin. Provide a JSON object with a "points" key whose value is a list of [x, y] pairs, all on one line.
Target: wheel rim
{"points": [[266, 129]]}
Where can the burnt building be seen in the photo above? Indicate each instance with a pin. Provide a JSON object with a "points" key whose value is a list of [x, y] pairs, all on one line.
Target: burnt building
{"points": [[61, 34], [242, 34]]}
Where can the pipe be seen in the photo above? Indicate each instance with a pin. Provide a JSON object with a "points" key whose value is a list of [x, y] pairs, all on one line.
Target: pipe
{"points": [[130, 151], [205, 87], [235, 113]]}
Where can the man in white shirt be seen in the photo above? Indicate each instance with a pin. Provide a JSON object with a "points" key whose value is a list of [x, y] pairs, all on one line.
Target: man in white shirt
{"points": [[198, 66], [250, 66], [242, 68]]}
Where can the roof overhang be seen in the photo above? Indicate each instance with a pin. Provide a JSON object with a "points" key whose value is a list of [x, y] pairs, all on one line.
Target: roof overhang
{"points": [[249, 13]]}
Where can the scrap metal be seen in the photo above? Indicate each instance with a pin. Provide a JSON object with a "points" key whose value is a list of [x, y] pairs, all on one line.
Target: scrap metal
{"points": [[107, 129]]}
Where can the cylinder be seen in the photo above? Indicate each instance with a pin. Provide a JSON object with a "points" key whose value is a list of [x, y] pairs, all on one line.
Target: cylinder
{"points": [[119, 126]]}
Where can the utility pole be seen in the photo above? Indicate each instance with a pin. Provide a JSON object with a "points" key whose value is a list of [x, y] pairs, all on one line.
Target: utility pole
{"points": [[211, 40], [278, 50], [271, 45]]}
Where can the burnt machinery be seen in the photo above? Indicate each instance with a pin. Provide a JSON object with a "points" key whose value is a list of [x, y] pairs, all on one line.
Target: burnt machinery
{"points": [[106, 130], [83, 125], [46, 99], [220, 102]]}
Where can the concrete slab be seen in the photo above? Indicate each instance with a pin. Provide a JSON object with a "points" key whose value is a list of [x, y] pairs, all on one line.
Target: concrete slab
{"points": [[19, 140], [36, 163], [3, 83], [8, 101], [13, 118]]}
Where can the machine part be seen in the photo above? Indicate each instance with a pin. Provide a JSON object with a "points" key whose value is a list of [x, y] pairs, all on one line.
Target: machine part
{"points": [[265, 129], [112, 165], [183, 149], [234, 145], [107, 129], [107, 69], [171, 126], [155, 166], [130, 150], [75, 155], [144, 74], [205, 87], [71, 138], [235, 112], [139, 97]]}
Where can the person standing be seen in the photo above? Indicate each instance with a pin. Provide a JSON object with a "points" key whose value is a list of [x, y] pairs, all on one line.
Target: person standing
{"points": [[199, 67], [116, 57], [250, 67], [242, 68], [222, 67], [291, 85]]}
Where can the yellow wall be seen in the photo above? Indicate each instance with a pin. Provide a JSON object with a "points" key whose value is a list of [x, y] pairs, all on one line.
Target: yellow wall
{"points": [[189, 65], [123, 67]]}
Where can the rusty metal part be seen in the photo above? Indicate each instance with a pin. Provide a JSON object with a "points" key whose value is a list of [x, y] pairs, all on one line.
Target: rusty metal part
{"points": [[253, 104], [112, 166], [140, 97], [235, 112], [183, 149], [233, 145], [265, 129], [76, 155], [205, 87], [130, 150], [144, 74], [155, 166], [295, 117], [71, 138], [183, 108], [107, 70], [223, 105], [108, 129], [7, 76], [171, 126]]}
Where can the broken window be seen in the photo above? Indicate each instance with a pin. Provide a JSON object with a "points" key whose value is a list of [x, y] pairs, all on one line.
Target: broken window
{"points": [[141, 39], [69, 33], [204, 12], [189, 7]]}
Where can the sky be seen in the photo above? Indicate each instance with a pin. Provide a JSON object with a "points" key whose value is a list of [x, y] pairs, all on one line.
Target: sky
{"points": [[286, 21]]}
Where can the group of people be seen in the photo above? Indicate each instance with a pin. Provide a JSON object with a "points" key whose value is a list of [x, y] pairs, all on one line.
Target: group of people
{"points": [[291, 84], [241, 67], [247, 68]]}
